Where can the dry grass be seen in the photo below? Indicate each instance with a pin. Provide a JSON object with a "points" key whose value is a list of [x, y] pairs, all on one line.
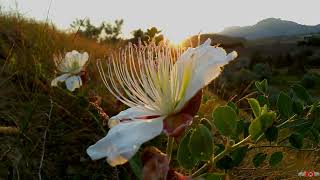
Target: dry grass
{"points": [[26, 49]]}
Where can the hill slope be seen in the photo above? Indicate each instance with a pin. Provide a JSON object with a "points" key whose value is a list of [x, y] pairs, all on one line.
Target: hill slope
{"points": [[270, 27]]}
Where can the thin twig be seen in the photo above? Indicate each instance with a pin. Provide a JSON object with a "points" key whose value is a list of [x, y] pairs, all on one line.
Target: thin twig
{"points": [[44, 140], [5, 153], [7, 58], [219, 156]]}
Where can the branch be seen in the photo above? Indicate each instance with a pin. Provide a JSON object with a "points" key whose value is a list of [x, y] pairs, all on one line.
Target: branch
{"points": [[9, 130], [219, 156]]}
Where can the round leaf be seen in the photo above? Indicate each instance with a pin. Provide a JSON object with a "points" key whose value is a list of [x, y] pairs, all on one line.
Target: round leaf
{"points": [[301, 93], [225, 120], [225, 163], [238, 155], [184, 156], [201, 143], [234, 106], [275, 159], [284, 104], [271, 133], [258, 159], [296, 140]]}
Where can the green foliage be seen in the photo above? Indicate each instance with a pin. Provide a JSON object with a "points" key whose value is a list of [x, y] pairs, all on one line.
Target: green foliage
{"points": [[136, 166], [272, 133], [184, 156], [234, 107], [255, 106], [225, 120], [301, 93], [206, 122], [201, 143], [104, 32], [284, 104], [233, 159], [275, 159], [262, 100], [296, 140], [262, 70], [225, 163], [261, 124], [262, 86], [297, 107], [151, 35], [238, 155], [258, 159]]}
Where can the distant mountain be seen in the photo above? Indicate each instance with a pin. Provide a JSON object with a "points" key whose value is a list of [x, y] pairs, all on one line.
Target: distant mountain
{"points": [[270, 27], [223, 41]]}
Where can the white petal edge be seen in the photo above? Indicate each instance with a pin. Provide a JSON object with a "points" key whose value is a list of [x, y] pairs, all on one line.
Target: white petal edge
{"points": [[206, 62], [130, 113], [124, 140], [73, 82], [60, 78], [84, 58]]}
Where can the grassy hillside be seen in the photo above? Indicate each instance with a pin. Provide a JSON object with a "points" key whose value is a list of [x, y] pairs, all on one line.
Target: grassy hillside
{"points": [[37, 121]]}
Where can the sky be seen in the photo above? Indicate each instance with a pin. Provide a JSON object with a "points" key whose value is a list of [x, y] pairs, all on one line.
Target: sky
{"points": [[177, 19]]}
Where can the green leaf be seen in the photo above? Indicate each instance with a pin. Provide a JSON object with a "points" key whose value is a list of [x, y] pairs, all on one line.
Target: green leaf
{"points": [[296, 140], [267, 119], [225, 163], [262, 100], [255, 129], [275, 159], [262, 86], [234, 107], [261, 124], [255, 106], [240, 127], [206, 122], [184, 156], [264, 109], [136, 165], [201, 143], [258, 159], [238, 155], [225, 120], [213, 176], [297, 107], [284, 105], [301, 93], [271, 133]]}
